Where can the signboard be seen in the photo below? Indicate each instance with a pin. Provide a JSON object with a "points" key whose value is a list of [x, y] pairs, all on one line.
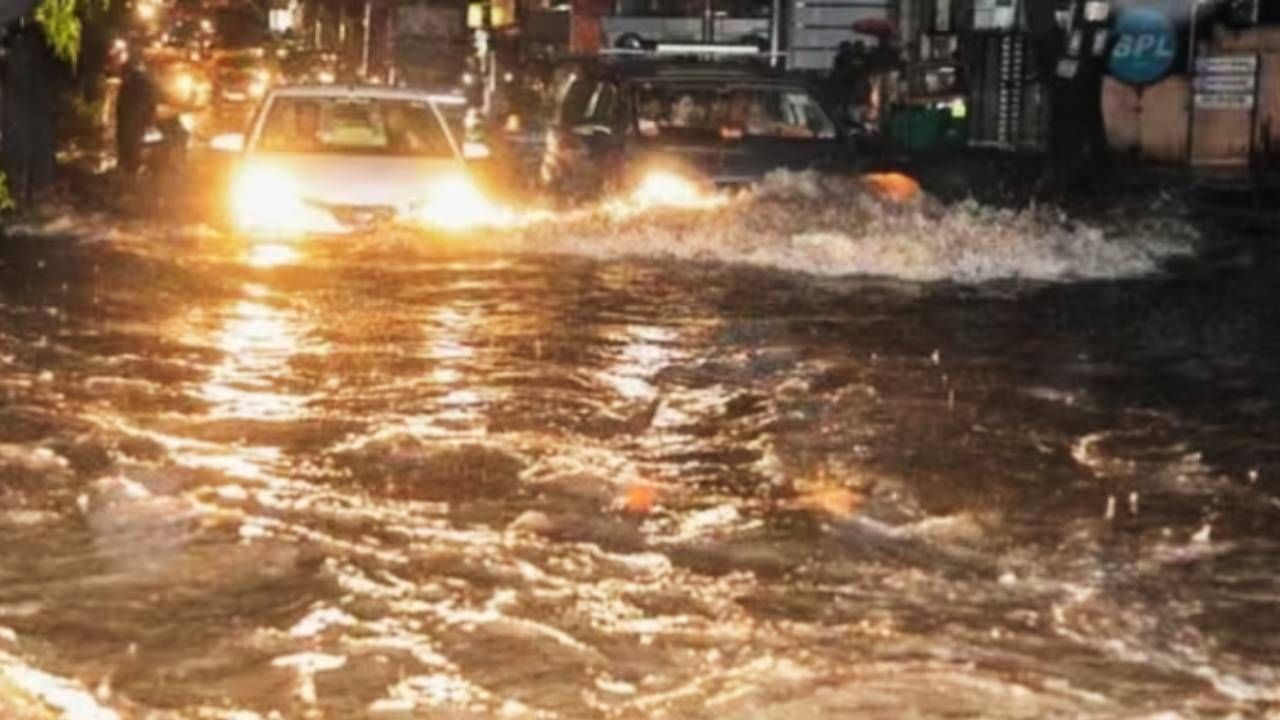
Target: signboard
{"points": [[993, 14], [280, 20], [1226, 82], [1237, 84], [1223, 101], [437, 23], [1227, 65], [1146, 46]]}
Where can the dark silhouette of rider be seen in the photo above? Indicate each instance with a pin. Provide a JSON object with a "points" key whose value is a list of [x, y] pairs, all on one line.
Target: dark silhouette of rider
{"points": [[135, 112]]}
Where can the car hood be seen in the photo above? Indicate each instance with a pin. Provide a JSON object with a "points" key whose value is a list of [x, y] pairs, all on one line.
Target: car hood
{"points": [[359, 180]]}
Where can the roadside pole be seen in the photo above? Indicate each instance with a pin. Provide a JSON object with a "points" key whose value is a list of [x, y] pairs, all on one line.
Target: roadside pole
{"points": [[775, 33], [367, 40], [1191, 82]]}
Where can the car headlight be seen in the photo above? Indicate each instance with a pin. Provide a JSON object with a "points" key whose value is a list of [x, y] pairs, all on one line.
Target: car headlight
{"points": [[455, 203], [266, 199], [257, 88]]}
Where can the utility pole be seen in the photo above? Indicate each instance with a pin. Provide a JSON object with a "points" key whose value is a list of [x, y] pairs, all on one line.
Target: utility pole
{"points": [[367, 39], [775, 33]]}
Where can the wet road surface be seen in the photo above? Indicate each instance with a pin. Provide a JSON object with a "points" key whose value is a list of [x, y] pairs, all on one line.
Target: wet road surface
{"points": [[408, 478]]}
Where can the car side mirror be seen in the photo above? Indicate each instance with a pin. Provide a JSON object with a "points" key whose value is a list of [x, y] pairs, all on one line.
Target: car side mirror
{"points": [[228, 143]]}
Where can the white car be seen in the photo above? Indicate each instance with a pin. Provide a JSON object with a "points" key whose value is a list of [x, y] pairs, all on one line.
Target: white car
{"points": [[332, 160]]}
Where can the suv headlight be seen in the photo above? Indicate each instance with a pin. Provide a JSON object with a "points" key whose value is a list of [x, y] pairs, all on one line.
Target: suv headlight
{"points": [[666, 188]]}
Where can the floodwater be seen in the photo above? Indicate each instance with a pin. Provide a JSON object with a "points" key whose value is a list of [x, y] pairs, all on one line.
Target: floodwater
{"points": [[770, 460]]}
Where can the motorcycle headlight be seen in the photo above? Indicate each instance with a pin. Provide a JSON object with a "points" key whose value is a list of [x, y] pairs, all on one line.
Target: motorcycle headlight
{"points": [[184, 85]]}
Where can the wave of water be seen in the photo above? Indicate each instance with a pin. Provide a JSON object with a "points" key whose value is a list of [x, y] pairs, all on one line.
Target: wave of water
{"points": [[832, 226]]}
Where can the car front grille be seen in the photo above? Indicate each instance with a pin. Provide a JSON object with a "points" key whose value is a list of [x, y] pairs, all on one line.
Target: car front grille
{"points": [[360, 216]]}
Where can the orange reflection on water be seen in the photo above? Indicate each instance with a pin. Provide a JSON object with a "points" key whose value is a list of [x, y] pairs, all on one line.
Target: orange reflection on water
{"points": [[269, 255], [258, 339], [451, 339]]}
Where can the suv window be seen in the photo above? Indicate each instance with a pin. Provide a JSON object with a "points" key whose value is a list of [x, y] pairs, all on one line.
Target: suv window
{"points": [[675, 109], [574, 99], [588, 101], [600, 107]]}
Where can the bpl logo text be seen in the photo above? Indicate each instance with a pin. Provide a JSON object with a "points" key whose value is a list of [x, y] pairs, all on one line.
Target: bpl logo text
{"points": [[1146, 46]]}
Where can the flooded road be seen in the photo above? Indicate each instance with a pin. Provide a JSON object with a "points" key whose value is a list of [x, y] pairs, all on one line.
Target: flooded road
{"points": [[1011, 468]]}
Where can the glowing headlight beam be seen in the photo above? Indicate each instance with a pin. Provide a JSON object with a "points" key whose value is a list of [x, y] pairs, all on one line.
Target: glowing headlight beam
{"points": [[184, 85], [663, 188], [455, 203], [267, 199]]}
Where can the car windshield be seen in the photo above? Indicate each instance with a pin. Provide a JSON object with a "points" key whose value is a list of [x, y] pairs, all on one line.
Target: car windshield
{"points": [[354, 126], [750, 111]]}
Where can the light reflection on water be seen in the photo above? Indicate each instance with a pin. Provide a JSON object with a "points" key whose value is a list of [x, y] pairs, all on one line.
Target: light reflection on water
{"points": [[450, 334], [257, 339], [644, 351], [405, 485], [270, 255]]}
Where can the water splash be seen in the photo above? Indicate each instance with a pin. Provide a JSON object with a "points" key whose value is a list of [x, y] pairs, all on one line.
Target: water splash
{"points": [[797, 222], [834, 226]]}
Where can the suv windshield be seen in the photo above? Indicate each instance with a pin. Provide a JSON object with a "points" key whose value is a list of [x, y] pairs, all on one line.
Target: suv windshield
{"points": [[750, 111], [354, 126]]}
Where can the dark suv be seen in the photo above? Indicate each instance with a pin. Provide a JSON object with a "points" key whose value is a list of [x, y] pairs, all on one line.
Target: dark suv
{"points": [[727, 124]]}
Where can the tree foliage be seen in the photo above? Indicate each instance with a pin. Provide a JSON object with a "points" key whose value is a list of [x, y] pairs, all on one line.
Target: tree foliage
{"points": [[61, 25]]}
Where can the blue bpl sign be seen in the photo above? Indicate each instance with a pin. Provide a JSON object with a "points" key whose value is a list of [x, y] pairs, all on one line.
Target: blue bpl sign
{"points": [[1146, 45]]}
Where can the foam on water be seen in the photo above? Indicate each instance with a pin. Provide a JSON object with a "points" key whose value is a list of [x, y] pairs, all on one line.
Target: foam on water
{"points": [[30, 693], [833, 226]]}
